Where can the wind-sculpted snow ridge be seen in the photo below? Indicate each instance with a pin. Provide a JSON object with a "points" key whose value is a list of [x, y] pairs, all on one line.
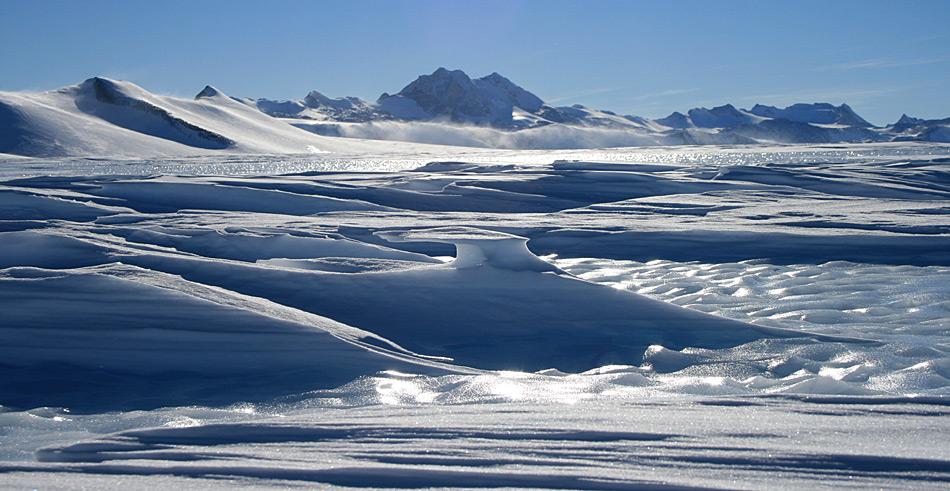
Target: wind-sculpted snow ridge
{"points": [[596, 321], [493, 308]]}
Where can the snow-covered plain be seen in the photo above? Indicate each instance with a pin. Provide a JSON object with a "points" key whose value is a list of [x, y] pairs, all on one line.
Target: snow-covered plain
{"points": [[663, 318]]}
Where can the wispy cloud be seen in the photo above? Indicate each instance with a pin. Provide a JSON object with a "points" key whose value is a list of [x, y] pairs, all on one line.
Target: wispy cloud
{"points": [[586, 93], [662, 94], [876, 63], [826, 95]]}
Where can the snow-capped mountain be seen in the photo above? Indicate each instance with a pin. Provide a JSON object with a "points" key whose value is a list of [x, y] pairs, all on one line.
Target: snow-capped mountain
{"points": [[817, 113], [319, 107], [787, 131], [104, 117], [488, 101], [493, 111], [916, 129], [726, 116], [451, 96]]}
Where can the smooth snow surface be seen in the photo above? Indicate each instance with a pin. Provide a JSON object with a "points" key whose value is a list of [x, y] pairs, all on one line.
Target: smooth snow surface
{"points": [[739, 317]]}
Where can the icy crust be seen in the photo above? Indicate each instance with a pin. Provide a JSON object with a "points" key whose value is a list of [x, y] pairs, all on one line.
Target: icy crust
{"points": [[641, 442], [476, 247]]}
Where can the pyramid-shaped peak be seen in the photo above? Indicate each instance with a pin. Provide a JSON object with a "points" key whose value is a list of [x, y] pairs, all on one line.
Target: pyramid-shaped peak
{"points": [[208, 91], [495, 76]]}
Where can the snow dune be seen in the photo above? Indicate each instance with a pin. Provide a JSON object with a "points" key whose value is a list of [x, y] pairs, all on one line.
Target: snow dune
{"points": [[81, 334]]}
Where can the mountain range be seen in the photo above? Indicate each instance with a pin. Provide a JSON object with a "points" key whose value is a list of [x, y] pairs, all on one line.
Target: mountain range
{"points": [[109, 118], [104, 117], [493, 101]]}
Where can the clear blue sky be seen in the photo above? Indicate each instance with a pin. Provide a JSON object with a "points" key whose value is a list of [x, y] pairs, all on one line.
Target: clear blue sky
{"points": [[645, 58]]}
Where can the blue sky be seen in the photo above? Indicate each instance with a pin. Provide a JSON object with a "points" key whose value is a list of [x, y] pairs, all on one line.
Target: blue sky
{"points": [[644, 58]]}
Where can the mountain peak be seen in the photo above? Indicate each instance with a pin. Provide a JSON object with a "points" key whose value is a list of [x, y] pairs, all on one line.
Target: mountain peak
{"points": [[812, 113], [109, 90], [906, 122], [725, 116], [676, 120], [316, 99], [208, 91], [445, 73], [102, 83], [453, 94], [905, 119], [512, 92]]}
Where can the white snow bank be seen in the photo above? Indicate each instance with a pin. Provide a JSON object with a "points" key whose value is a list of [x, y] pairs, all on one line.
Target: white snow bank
{"points": [[19, 205], [172, 195], [93, 337], [254, 244], [47, 250]]}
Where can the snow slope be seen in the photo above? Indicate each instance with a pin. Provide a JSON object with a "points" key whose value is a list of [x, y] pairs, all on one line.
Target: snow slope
{"points": [[104, 117], [637, 442]]}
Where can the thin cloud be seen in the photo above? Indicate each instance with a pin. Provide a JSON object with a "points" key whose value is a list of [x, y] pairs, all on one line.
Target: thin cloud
{"points": [[586, 93], [662, 94], [877, 63], [826, 95]]}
